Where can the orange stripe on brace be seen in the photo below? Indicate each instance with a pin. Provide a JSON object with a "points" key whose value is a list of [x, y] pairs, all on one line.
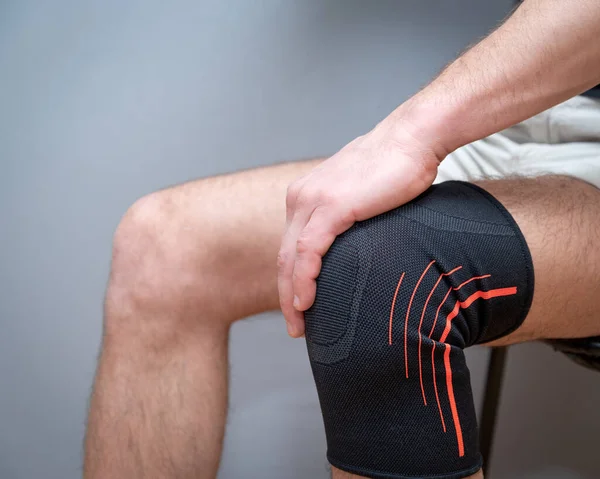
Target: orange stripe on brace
{"points": [[393, 305], [448, 294], [437, 397], [455, 418], [421, 323], [431, 333], [438, 312], [471, 279], [494, 293], [408, 313]]}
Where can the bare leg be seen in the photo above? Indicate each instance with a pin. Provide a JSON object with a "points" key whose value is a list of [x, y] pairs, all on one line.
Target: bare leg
{"points": [[190, 260], [559, 219], [187, 262]]}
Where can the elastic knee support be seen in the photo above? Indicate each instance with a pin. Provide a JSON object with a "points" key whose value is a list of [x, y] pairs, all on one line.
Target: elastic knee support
{"points": [[398, 299]]}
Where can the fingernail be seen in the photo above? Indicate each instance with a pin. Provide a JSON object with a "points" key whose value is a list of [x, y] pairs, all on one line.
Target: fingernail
{"points": [[296, 302], [290, 329]]}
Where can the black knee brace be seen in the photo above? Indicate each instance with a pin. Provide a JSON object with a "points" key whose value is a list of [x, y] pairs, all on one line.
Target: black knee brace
{"points": [[398, 299]]}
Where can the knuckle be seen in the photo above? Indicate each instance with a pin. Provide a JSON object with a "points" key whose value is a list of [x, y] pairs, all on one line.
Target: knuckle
{"points": [[304, 199], [282, 258], [293, 190], [315, 197], [328, 197], [303, 244]]}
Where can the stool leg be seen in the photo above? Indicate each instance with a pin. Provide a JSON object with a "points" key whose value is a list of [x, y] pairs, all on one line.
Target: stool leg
{"points": [[491, 403]]}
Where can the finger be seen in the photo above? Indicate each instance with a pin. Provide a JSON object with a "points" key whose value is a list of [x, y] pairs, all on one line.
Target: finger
{"points": [[325, 224], [294, 319], [295, 221]]}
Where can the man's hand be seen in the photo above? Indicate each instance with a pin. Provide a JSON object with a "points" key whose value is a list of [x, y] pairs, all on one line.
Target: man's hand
{"points": [[371, 175], [493, 85]]}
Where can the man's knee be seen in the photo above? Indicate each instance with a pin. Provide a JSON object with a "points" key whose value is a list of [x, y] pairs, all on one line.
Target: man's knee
{"points": [[165, 266], [398, 298]]}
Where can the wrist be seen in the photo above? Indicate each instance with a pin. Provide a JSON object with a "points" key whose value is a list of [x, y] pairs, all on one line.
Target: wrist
{"points": [[432, 124]]}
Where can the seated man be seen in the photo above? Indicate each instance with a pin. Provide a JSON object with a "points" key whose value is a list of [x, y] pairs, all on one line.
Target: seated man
{"points": [[190, 260], [424, 273]]}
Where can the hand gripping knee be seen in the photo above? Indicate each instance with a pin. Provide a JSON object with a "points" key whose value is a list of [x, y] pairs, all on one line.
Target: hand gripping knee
{"points": [[398, 299]]}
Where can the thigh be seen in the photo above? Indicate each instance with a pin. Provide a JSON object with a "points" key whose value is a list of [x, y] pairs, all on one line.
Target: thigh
{"points": [[558, 214], [558, 217], [229, 228]]}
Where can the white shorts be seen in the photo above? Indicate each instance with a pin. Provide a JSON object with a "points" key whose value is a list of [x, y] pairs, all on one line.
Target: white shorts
{"points": [[564, 140]]}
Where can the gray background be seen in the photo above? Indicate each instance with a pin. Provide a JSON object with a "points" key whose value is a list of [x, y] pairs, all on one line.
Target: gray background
{"points": [[102, 102]]}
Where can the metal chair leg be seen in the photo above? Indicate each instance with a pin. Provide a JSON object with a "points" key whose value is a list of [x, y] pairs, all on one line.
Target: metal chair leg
{"points": [[491, 403]]}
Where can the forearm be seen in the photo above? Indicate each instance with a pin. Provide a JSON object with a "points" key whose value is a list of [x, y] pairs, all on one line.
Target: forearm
{"points": [[545, 53]]}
